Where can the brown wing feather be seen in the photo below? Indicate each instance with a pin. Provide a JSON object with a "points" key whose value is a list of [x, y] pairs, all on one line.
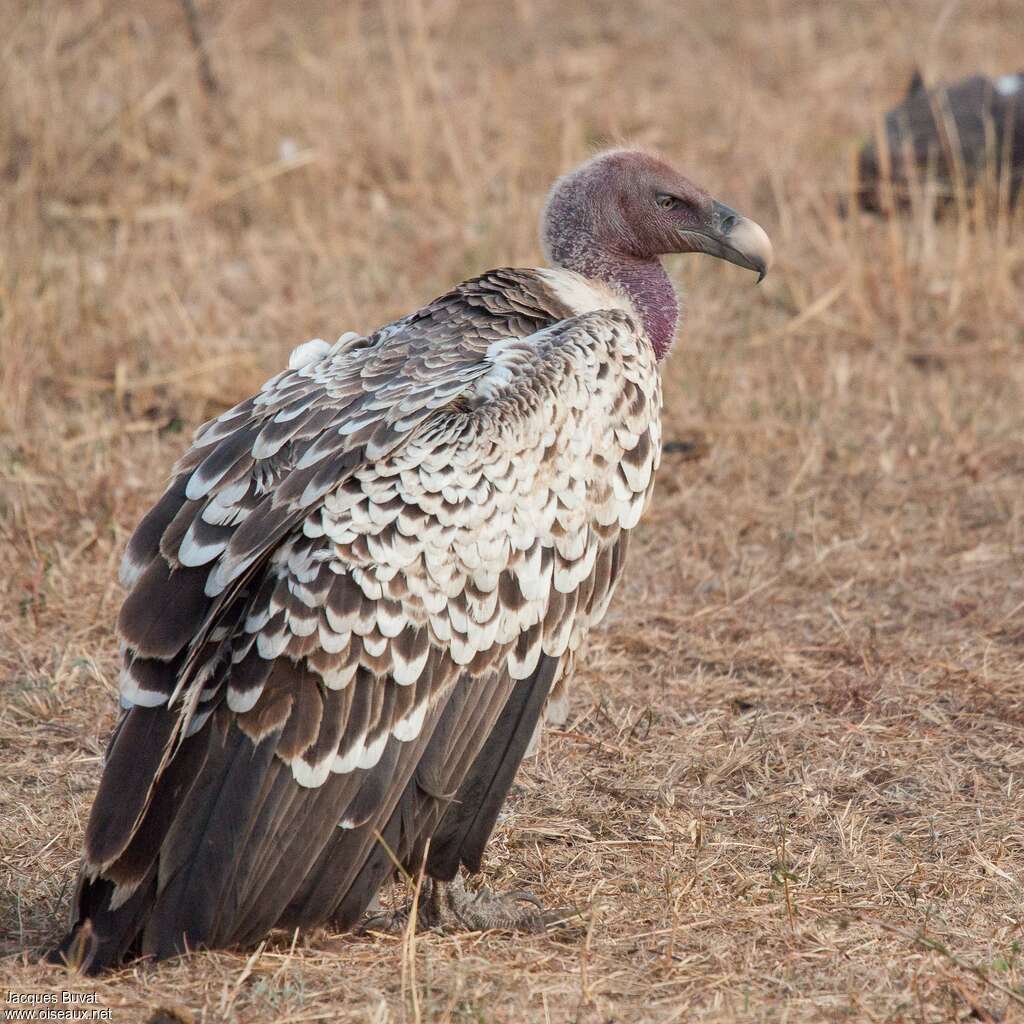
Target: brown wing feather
{"points": [[337, 594]]}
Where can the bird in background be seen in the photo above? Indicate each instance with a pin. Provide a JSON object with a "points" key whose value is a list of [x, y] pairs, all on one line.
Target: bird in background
{"points": [[953, 137], [364, 586]]}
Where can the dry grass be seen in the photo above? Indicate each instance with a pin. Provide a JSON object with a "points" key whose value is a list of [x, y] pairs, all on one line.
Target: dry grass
{"points": [[793, 784]]}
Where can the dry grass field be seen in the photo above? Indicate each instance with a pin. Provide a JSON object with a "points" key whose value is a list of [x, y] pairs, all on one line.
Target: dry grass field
{"points": [[792, 784]]}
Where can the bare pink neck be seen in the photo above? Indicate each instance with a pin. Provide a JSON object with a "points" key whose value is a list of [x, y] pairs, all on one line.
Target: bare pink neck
{"points": [[647, 284], [644, 281]]}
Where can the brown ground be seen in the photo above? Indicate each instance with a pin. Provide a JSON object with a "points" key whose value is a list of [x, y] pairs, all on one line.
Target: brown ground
{"points": [[792, 784]]}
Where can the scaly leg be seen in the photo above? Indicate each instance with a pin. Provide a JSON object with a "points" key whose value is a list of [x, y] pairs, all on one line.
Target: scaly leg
{"points": [[451, 907]]}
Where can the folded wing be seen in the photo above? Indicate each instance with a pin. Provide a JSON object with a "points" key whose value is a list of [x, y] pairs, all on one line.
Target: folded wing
{"points": [[348, 609]]}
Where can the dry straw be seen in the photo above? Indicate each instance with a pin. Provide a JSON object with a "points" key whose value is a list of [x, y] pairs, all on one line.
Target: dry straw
{"points": [[792, 785]]}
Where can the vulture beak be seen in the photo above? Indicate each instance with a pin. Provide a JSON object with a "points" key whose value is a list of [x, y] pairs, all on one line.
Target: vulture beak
{"points": [[731, 237]]}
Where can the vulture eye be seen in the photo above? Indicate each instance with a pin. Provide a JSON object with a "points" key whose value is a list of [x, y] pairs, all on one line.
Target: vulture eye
{"points": [[667, 202]]}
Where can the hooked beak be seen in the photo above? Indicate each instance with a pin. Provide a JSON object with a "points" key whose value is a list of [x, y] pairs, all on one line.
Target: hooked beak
{"points": [[731, 237]]}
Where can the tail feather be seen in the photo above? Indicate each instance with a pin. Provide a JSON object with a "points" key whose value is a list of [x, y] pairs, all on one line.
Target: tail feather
{"points": [[356, 861], [273, 888], [225, 844], [141, 854], [202, 844], [469, 821], [254, 846], [133, 764], [103, 936], [376, 866], [111, 907], [424, 804]]}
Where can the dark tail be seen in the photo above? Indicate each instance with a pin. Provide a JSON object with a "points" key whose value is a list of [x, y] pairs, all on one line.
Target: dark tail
{"points": [[166, 890], [113, 901], [469, 820], [229, 845]]}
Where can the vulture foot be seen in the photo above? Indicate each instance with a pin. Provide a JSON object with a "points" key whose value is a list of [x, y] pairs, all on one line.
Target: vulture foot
{"points": [[451, 907]]}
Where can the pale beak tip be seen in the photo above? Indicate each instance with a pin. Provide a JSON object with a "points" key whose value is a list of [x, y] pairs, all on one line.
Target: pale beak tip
{"points": [[751, 242], [759, 248]]}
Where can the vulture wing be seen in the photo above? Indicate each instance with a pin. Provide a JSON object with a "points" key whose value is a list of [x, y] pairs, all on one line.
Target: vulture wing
{"points": [[349, 607]]}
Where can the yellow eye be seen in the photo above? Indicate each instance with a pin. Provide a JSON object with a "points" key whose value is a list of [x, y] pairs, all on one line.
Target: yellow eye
{"points": [[667, 202]]}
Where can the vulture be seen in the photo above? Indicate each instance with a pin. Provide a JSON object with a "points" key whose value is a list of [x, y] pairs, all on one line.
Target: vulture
{"points": [[957, 131], [363, 587]]}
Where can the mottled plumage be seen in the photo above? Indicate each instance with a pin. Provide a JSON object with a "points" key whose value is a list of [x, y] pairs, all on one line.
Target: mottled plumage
{"points": [[349, 608]]}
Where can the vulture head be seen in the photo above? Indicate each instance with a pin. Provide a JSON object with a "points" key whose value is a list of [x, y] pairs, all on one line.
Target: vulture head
{"points": [[611, 219]]}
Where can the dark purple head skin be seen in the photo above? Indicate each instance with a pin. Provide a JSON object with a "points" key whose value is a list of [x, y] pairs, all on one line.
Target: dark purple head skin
{"points": [[614, 216]]}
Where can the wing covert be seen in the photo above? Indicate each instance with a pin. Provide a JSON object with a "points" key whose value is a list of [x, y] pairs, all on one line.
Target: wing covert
{"points": [[395, 532]]}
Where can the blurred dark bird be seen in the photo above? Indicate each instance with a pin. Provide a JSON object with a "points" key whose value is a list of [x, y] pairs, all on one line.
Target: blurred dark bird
{"points": [[349, 610], [959, 135]]}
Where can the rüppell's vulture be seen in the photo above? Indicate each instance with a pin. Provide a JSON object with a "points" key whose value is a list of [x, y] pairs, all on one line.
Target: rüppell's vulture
{"points": [[349, 609], [958, 135]]}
